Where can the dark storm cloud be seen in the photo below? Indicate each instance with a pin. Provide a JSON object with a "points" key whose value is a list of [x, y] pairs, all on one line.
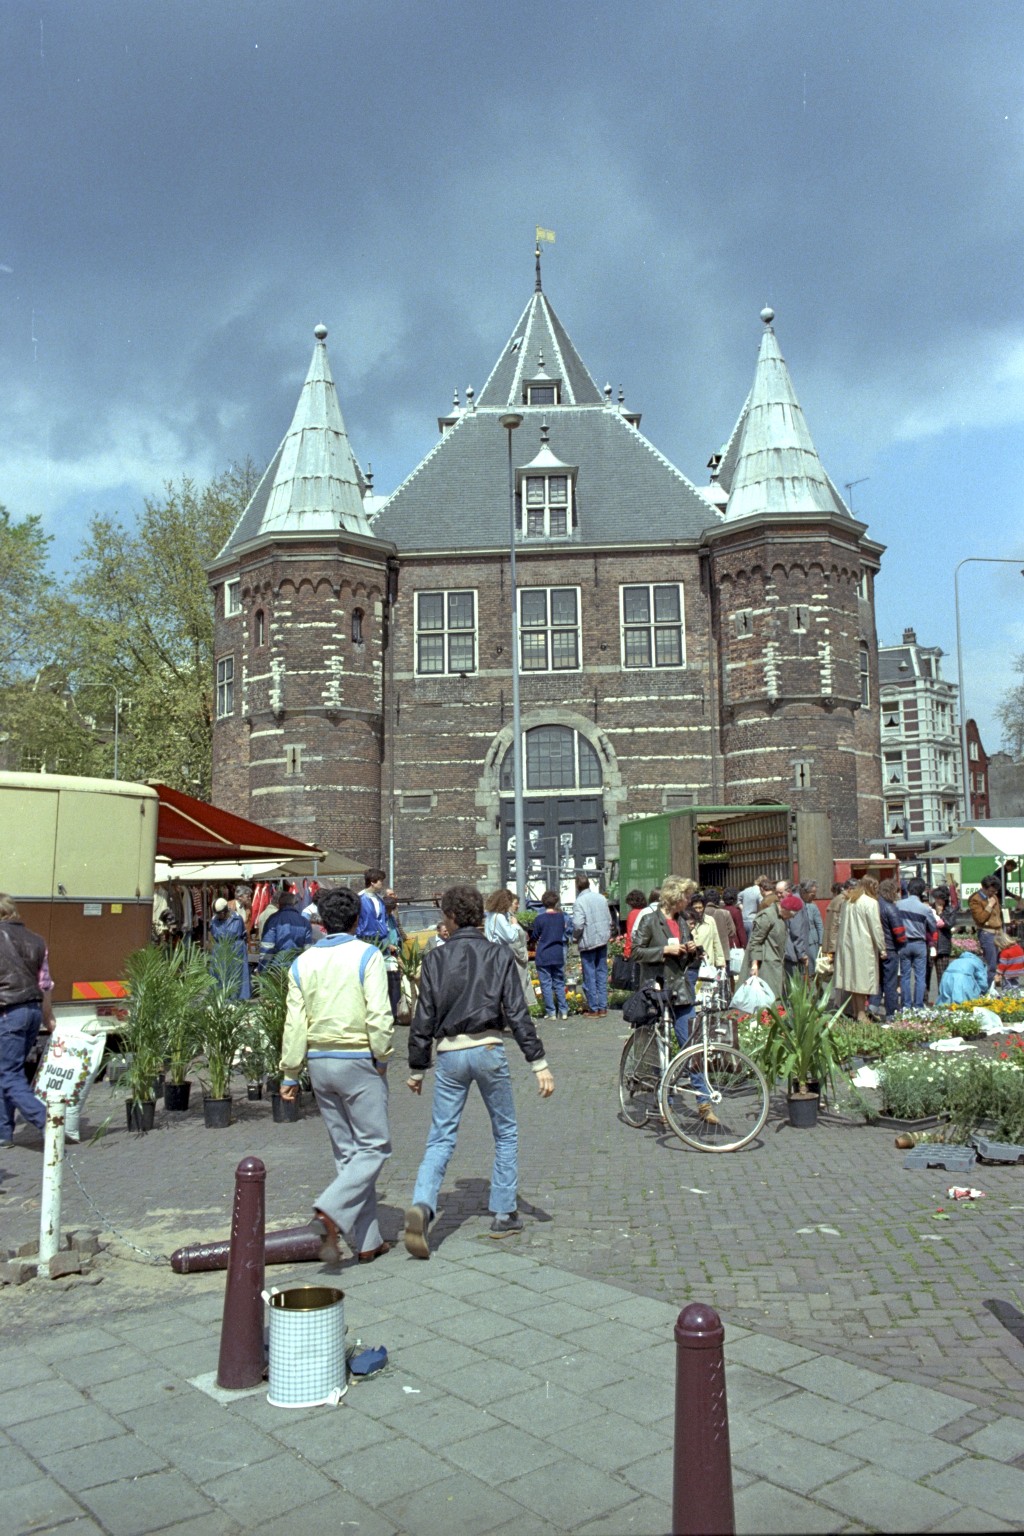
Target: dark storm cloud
{"points": [[187, 188]]}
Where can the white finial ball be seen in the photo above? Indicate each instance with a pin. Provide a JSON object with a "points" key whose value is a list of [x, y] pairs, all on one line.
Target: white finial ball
{"points": [[767, 314], [320, 333]]}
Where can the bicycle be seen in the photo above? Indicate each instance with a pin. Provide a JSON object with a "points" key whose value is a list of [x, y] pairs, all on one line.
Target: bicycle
{"points": [[709, 1093]]}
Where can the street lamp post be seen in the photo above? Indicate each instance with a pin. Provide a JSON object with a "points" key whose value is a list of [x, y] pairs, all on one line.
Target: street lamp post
{"points": [[965, 764], [510, 422]]}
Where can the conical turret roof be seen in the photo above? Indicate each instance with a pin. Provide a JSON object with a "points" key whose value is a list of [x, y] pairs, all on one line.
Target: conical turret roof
{"points": [[313, 483], [770, 463]]}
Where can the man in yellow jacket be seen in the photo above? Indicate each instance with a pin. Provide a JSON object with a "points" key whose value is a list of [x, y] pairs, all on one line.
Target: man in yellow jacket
{"points": [[339, 1024]]}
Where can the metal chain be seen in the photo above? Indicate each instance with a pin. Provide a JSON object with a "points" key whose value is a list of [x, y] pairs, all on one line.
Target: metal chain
{"points": [[108, 1226]]}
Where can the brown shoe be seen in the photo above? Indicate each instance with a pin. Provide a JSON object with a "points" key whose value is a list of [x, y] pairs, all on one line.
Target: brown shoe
{"points": [[369, 1254], [330, 1248], [708, 1115]]}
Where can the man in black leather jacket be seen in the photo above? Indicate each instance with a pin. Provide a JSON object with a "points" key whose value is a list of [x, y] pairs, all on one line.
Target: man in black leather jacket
{"points": [[470, 993]]}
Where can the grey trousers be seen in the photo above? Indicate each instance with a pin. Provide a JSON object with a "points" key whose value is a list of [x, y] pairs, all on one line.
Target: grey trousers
{"points": [[353, 1100]]}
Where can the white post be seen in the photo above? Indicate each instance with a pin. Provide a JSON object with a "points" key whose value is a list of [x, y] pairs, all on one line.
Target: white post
{"points": [[53, 1174]]}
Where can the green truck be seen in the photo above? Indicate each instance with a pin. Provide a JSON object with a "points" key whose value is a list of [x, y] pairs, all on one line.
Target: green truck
{"points": [[725, 846]]}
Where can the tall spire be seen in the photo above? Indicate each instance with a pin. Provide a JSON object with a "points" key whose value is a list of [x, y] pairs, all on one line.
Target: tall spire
{"points": [[536, 253], [313, 484], [539, 333], [771, 464]]}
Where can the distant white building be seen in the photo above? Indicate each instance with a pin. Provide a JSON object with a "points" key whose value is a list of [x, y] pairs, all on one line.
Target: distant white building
{"points": [[922, 783]]}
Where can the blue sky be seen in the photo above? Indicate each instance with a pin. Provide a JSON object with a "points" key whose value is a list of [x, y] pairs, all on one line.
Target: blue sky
{"points": [[188, 188]]}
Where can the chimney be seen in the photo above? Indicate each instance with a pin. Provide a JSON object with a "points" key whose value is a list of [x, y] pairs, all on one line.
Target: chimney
{"points": [[909, 637]]}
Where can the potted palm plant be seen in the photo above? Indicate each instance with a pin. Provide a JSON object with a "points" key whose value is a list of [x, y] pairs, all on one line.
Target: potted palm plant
{"points": [[222, 1017], [269, 1010], [410, 960], [799, 1048], [148, 978], [189, 981]]}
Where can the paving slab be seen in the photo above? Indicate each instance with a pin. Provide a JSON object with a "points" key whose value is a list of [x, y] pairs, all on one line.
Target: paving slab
{"points": [[110, 1461], [920, 1407], [763, 1506], [1003, 1439], [885, 1500], [144, 1504], [800, 1465], [984, 1484], [38, 1505], [272, 1487], [578, 1494], [901, 1449]]}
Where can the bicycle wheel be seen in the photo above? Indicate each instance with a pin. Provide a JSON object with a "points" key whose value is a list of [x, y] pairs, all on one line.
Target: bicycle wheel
{"points": [[733, 1112], [639, 1071]]}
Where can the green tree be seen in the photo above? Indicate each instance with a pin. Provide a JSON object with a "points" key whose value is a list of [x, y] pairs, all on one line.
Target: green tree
{"points": [[118, 659], [141, 652], [24, 551], [1010, 715]]}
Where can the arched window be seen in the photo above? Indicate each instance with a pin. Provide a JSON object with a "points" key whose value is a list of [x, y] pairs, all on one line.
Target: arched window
{"points": [[259, 628], [357, 626], [555, 758]]}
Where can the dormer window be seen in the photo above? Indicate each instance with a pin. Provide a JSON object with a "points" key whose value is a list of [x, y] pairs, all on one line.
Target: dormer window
{"points": [[541, 389], [544, 495], [547, 506]]}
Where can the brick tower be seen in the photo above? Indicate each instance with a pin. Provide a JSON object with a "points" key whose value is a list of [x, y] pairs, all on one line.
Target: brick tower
{"points": [[791, 579], [301, 602]]}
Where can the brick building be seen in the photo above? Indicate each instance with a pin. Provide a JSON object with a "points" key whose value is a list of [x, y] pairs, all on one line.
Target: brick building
{"points": [[978, 769], [921, 769], [677, 645]]}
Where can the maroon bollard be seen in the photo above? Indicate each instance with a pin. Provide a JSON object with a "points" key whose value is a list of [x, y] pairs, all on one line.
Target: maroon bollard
{"points": [[292, 1245], [241, 1362], [702, 1468]]}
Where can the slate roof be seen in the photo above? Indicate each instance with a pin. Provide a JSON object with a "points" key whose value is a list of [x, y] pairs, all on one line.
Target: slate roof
{"points": [[770, 463], [313, 483], [895, 665], [625, 492]]}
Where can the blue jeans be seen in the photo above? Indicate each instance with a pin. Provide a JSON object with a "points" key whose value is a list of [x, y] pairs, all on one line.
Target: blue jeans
{"points": [[889, 966], [989, 953], [684, 1013], [595, 978], [454, 1075], [19, 1027], [913, 964], [552, 987]]}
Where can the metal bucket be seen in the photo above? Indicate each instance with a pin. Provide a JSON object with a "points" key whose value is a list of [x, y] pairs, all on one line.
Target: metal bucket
{"points": [[307, 1346]]}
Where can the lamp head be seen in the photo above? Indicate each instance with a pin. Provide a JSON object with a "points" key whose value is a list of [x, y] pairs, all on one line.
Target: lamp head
{"points": [[511, 421]]}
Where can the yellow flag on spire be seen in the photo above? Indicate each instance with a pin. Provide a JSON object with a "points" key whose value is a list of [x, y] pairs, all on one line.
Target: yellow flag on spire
{"points": [[545, 234]]}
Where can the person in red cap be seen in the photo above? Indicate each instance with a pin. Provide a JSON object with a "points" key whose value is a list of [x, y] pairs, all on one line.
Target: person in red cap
{"points": [[798, 936]]}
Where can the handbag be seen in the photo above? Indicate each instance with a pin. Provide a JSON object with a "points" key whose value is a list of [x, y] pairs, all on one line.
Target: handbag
{"points": [[642, 1009], [823, 965], [623, 973]]}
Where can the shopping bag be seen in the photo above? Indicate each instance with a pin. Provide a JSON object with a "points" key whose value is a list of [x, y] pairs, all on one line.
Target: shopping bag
{"points": [[736, 961], [754, 995]]}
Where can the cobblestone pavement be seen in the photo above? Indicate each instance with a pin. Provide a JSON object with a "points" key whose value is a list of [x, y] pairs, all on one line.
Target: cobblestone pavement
{"points": [[818, 1237]]}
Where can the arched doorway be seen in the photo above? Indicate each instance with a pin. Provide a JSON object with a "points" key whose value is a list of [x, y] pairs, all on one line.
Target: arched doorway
{"points": [[563, 810]]}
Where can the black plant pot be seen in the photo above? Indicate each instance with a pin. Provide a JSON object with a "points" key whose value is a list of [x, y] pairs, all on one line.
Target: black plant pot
{"points": [[216, 1113], [284, 1109], [803, 1110], [254, 1091], [140, 1116], [176, 1095]]}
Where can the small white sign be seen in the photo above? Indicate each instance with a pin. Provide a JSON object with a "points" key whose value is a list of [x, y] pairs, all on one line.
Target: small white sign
{"points": [[92, 909]]}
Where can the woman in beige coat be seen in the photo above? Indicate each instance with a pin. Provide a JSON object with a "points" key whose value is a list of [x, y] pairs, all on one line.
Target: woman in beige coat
{"points": [[860, 945]]}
